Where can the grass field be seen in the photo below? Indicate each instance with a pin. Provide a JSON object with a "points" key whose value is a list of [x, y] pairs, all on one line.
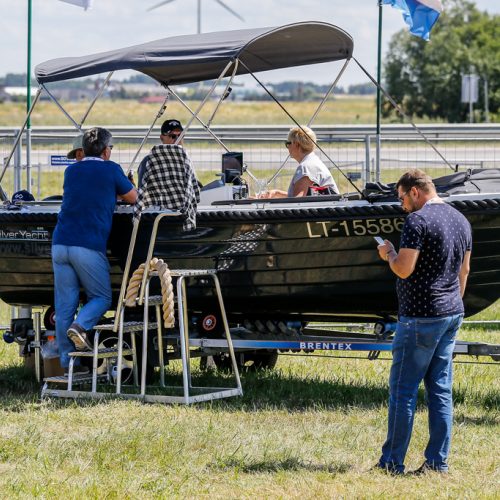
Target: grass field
{"points": [[340, 110], [311, 428]]}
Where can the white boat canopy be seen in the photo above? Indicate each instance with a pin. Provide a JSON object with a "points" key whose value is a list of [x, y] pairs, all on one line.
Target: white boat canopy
{"points": [[194, 58]]}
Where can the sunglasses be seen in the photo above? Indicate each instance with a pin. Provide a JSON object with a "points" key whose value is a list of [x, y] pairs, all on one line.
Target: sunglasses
{"points": [[174, 136], [402, 197], [288, 143]]}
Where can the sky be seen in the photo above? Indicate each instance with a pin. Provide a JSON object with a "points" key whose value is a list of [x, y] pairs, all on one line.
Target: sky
{"points": [[61, 29]]}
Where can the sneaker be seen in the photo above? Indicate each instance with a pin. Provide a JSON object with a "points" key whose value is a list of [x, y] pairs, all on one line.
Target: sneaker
{"points": [[388, 469], [78, 371], [78, 336], [425, 468]]}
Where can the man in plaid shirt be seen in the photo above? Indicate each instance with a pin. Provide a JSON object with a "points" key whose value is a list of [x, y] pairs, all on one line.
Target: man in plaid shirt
{"points": [[167, 179]]}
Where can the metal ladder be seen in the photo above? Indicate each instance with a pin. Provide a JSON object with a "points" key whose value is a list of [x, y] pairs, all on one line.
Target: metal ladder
{"points": [[146, 300], [96, 354], [204, 393], [122, 327]]}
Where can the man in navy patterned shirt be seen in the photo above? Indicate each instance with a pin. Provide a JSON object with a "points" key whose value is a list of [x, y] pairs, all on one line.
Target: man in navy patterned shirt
{"points": [[432, 266]]}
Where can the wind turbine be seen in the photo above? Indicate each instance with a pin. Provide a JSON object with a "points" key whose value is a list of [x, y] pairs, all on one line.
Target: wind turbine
{"points": [[220, 2]]}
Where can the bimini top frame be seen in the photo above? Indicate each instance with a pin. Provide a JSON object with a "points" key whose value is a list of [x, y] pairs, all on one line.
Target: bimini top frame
{"points": [[209, 56], [195, 58]]}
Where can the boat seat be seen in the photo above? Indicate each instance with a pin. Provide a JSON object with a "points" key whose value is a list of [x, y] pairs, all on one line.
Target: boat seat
{"points": [[54, 197], [301, 199]]}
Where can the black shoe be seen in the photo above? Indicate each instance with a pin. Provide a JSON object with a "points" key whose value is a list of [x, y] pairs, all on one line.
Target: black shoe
{"points": [[425, 468], [78, 371], [78, 336], [387, 469]]}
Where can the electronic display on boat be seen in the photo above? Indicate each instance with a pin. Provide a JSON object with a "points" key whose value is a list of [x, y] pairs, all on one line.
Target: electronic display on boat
{"points": [[232, 166]]}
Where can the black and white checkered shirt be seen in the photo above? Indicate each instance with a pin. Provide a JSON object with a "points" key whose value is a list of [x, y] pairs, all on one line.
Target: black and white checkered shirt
{"points": [[169, 182]]}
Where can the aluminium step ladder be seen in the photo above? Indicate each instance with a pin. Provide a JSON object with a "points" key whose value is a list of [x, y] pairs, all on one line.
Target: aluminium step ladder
{"points": [[121, 327], [106, 354], [188, 389]]}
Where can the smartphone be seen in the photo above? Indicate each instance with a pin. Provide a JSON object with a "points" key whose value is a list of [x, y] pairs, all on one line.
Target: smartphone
{"points": [[379, 240]]}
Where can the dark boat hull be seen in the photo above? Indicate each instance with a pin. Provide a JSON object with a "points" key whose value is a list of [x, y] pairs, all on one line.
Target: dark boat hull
{"points": [[299, 263]]}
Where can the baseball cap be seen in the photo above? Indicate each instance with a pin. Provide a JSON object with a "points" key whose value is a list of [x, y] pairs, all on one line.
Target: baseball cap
{"points": [[170, 125], [22, 195], [77, 144]]}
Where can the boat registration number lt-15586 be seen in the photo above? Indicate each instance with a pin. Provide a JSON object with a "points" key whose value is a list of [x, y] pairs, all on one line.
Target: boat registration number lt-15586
{"points": [[354, 227]]}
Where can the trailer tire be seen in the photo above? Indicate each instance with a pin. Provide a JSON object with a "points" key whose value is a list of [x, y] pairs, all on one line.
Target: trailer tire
{"points": [[247, 361], [109, 340], [49, 318]]}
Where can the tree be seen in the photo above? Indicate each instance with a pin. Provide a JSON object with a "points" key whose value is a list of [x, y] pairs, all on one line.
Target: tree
{"points": [[361, 89], [426, 77]]}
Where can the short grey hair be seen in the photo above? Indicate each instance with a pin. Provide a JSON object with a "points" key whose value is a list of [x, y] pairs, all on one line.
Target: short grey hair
{"points": [[304, 137], [96, 140]]}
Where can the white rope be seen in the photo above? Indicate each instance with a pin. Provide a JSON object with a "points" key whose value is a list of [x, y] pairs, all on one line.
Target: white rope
{"points": [[167, 289]]}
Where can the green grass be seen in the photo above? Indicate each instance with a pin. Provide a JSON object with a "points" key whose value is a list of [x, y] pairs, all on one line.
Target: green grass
{"points": [[341, 110], [311, 428]]}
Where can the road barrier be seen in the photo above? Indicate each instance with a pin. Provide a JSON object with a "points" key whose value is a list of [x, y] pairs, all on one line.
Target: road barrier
{"points": [[349, 147]]}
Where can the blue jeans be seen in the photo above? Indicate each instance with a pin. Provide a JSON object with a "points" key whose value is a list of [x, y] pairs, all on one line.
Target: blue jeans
{"points": [[76, 267], [422, 350]]}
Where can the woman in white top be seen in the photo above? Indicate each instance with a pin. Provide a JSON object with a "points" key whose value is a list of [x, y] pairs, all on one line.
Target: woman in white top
{"points": [[311, 171]]}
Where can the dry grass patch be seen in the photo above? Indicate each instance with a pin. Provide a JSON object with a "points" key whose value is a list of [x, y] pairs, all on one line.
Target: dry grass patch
{"points": [[357, 110]]}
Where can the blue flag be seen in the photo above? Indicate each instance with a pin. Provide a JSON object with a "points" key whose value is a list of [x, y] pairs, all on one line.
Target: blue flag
{"points": [[419, 15]]}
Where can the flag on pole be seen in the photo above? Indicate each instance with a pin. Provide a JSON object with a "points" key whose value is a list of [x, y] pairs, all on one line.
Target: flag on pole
{"points": [[86, 4], [419, 15]]}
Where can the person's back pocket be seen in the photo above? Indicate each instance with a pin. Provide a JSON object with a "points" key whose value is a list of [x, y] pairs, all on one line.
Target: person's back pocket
{"points": [[429, 331]]}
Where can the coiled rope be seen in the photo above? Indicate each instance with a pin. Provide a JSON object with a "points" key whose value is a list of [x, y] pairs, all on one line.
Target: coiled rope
{"points": [[167, 289]]}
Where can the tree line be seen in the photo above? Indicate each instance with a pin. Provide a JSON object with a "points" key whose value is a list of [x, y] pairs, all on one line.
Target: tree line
{"points": [[426, 77]]}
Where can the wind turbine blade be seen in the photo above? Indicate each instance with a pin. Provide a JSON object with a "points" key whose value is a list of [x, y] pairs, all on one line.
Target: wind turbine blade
{"points": [[86, 4], [220, 2], [159, 5]]}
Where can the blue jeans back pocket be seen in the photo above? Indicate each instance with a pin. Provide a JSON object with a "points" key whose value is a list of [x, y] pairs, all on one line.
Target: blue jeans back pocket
{"points": [[428, 332]]}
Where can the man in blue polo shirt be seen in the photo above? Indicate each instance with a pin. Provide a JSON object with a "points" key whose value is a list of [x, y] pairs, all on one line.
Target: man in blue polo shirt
{"points": [[91, 187], [432, 266]]}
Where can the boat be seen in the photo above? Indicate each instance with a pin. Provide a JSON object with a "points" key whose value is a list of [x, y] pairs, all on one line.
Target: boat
{"points": [[280, 261]]}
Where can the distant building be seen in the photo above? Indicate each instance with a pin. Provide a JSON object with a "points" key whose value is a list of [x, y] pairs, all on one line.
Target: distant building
{"points": [[19, 91], [4, 97]]}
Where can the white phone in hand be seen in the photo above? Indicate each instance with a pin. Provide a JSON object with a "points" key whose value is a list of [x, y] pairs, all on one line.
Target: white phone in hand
{"points": [[379, 240]]}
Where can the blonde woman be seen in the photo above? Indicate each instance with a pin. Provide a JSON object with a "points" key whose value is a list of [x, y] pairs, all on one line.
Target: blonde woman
{"points": [[311, 173]]}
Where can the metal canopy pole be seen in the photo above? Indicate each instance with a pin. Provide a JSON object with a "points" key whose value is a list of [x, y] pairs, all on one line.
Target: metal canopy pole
{"points": [[301, 128], [329, 91], [28, 100], [404, 115], [313, 117], [224, 94], [18, 138], [162, 109], [66, 114], [206, 127], [202, 123], [97, 96], [202, 104], [379, 98]]}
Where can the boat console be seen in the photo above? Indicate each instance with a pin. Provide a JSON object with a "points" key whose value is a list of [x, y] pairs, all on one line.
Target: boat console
{"points": [[230, 186]]}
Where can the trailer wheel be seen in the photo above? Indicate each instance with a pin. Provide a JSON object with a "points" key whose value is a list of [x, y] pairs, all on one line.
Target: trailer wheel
{"points": [[106, 365], [247, 361], [49, 318], [210, 324]]}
